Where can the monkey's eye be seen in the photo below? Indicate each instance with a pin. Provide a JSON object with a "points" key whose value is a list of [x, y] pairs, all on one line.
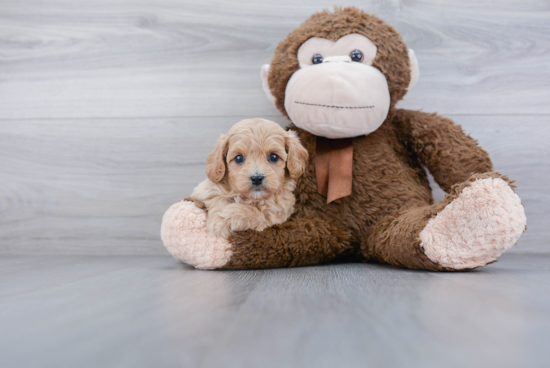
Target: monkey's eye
{"points": [[273, 158], [239, 159], [356, 55], [317, 59]]}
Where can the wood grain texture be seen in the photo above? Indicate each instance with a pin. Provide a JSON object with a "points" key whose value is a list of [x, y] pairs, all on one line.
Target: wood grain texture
{"points": [[101, 186], [108, 109], [109, 311], [170, 58], [107, 112]]}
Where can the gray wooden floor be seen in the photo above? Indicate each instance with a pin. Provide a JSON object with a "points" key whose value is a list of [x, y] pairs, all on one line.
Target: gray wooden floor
{"points": [[107, 112], [152, 311]]}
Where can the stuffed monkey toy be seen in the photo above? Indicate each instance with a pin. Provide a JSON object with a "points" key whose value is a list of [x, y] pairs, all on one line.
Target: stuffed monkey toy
{"points": [[364, 195]]}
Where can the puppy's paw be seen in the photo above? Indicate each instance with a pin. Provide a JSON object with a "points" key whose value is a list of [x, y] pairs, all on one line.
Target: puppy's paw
{"points": [[218, 225], [241, 217]]}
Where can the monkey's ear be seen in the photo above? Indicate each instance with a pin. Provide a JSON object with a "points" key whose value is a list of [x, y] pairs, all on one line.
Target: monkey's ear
{"points": [[415, 71], [215, 162], [265, 84], [297, 155]]}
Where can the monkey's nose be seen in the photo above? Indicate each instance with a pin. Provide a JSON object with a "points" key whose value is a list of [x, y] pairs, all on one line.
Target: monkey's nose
{"points": [[257, 179], [342, 58]]}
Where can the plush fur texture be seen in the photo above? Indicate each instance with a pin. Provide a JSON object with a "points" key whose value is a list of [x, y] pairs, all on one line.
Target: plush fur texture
{"points": [[337, 98], [233, 202], [477, 227], [391, 203], [184, 234], [392, 56]]}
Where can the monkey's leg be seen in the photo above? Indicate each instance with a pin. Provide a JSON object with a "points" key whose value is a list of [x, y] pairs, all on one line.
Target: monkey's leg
{"points": [[475, 223], [301, 240]]}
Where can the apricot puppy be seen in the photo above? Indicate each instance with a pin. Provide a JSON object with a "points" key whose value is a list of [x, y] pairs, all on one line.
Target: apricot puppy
{"points": [[251, 177]]}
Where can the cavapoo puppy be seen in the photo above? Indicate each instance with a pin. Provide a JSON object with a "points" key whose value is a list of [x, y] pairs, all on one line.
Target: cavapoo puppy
{"points": [[251, 177]]}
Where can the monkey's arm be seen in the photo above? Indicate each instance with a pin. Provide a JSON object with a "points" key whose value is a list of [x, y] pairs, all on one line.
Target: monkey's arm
{"points": [[300, 241], [442, 146]]}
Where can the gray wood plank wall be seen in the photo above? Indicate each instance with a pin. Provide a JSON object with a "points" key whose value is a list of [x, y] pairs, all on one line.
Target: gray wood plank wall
{"points": [[108, 109]]}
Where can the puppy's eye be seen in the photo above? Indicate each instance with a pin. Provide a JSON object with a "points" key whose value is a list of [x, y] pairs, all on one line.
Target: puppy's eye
{"points": [[239, 159], [317, 59], [356, 55], [273, 158]]}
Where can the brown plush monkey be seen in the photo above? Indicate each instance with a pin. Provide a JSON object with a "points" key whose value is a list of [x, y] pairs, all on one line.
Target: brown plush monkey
{"points": [[364, 195]]}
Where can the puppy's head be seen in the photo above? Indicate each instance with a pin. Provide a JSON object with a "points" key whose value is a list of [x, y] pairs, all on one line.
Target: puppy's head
{"points": [[256, 158]]}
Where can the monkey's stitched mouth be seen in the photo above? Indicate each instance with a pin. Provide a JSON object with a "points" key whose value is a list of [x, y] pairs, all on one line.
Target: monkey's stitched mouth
{"points": [[333, 106]]}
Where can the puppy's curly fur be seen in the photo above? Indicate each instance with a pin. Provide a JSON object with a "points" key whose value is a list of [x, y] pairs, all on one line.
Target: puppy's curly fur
{"points": [[233, 201]]}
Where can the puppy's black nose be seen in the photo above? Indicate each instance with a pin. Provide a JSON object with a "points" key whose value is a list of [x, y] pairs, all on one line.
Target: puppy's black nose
{"points": [[257, 179]]}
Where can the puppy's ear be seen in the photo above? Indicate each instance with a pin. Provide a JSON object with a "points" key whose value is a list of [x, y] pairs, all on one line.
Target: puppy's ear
{"points": [[297, 155], [215, 162]]}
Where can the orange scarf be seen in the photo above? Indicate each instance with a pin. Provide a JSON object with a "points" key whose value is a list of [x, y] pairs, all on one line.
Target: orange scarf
{"points": [[333, 167]]}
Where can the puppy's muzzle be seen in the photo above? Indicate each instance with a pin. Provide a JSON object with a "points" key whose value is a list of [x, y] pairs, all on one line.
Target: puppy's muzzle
{"points": [[257, 179]]}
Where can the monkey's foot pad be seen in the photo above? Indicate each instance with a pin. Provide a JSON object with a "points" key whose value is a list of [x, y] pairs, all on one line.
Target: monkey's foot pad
{"points": [[477, 227]]}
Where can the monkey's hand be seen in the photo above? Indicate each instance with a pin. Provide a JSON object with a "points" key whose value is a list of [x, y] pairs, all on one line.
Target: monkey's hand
{"points": [[300, 241], [185, 235]]}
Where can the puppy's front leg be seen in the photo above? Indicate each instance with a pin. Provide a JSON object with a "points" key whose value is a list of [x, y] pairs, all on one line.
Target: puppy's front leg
{"points": [[217, 224], [242, 217], [215, 221]]}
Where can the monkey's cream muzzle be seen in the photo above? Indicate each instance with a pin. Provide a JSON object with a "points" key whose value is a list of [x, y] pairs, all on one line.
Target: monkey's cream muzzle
{"points": [[338, 98]]}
